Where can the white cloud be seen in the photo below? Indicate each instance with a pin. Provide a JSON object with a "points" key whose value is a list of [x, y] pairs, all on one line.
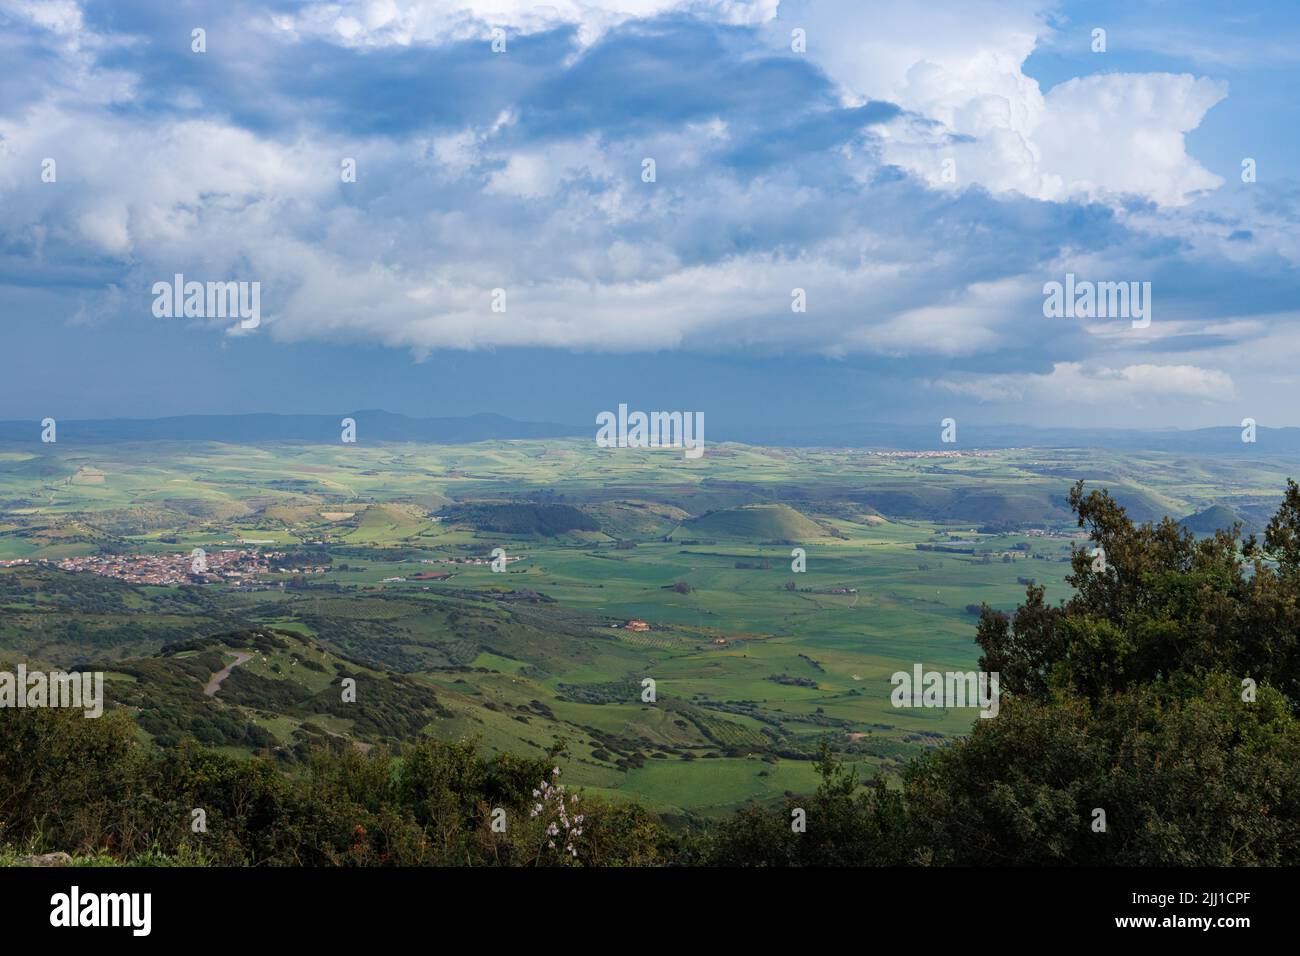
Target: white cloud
{"points": [[129, 189], [404, 22], [58, 16], [1123, 133], [979, 318], [1071, 383], [962, 65]]}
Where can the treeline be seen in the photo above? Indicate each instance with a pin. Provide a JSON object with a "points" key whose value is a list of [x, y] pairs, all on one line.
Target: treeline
{"points": [[1202, 781], [89, 788]]}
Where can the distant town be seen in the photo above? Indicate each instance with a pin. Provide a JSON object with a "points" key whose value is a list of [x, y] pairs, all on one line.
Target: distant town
{"points": [[510, 559], [226, 566], [238, 567], [931, 454]]}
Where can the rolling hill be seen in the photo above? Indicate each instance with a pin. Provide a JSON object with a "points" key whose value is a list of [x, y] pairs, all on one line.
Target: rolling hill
{"points": [[265, 688], [756, 523], [1212, 519], [522, 518]]}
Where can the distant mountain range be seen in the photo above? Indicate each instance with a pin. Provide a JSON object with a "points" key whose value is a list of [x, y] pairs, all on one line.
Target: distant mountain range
{"points": [[381, 426], [1224, 440], [371, 426]]}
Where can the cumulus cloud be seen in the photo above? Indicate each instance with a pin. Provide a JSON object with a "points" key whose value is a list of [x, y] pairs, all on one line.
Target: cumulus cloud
{"points": [[1123, 133], [962, 66], [403, 22], [62, 17], [1073, 383]]}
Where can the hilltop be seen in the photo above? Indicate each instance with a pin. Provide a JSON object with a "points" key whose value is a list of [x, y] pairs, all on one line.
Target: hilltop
{"points": [[266, 689], [1212, 519], [547, 520], [757, 522]]}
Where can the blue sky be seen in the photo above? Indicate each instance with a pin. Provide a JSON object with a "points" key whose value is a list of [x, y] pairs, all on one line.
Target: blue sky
{"points": [[920, 177]]}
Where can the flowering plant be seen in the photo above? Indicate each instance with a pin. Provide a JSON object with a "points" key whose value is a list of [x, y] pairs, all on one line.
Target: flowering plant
{"points": [[551, 807]]}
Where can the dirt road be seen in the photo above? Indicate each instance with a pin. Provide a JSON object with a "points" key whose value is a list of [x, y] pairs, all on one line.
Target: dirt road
{"points": [[214, 682]]}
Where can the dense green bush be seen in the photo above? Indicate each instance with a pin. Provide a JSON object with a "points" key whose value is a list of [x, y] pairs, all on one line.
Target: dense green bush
{"points": [[90, 787]]}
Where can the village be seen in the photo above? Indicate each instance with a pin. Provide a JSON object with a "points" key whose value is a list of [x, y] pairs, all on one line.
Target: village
{"points": [[228, 566]]}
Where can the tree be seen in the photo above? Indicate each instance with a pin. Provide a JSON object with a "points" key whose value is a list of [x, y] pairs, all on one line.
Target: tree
{"points": [[1154, 600]]}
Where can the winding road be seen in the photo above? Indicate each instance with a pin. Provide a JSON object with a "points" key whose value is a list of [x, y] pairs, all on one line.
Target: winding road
{"points": [[214, 682]]}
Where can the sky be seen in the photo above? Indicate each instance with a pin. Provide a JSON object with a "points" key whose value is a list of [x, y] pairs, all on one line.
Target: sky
{"points": [[557, 209]]}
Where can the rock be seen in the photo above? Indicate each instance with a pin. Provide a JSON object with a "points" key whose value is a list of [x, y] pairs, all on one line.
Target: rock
{"points": [[46, 859]]}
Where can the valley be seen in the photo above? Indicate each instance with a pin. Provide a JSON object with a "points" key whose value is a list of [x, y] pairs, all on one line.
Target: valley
{"points": [[382, 573]]}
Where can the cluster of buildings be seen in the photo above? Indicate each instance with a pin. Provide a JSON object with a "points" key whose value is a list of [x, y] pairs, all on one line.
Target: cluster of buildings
{"points": [[509, 559], [229, 566], [931, 454]]}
